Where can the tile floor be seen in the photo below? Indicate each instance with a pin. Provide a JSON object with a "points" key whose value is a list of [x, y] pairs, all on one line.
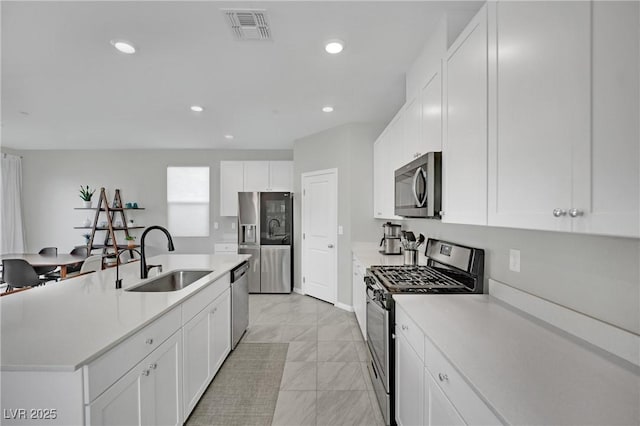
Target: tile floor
{"points": [[325, 379]]}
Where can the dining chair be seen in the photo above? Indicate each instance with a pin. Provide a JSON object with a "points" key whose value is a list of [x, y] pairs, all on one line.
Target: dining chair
{"points": [[47, 251], [78, 251], [19, 273], [91, 264]]}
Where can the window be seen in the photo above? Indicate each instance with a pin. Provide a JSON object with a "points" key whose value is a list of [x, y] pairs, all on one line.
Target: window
{"points": [[188, 201]]}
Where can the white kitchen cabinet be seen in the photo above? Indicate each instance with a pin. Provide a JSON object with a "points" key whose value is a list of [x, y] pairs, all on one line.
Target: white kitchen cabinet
{"points": [[431, 110], [464, 148], [256, 176], [281, 176], [359, 296], [541, 112], [409, 383], [249, 176], [207, 342], [387, 157], [220, 320], [438, 410], [412, 143], [147, 394], [231, 182]]}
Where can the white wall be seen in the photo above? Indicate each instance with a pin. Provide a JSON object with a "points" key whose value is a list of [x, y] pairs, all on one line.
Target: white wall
{"points": [[598, 276], [52, 179], [348, 148]]}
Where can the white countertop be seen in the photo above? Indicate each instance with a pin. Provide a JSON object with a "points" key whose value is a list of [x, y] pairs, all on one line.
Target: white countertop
{"points": [[369, 254], [528, 371], [62, 326]]}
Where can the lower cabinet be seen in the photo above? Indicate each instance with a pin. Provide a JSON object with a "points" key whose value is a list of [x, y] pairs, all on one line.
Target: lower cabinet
{"points": [[148, 394], [359, 296], [438, 410], [207, 342], [409, 385]]}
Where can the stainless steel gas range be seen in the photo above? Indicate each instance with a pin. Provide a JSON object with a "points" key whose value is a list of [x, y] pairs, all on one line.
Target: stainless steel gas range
{"points": [[451, 269]]}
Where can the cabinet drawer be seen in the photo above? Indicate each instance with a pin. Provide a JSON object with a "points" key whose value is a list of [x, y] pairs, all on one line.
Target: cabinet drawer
{"points": [[106, 370], [198, 301], [410, 330], [225, 248], [464, 398]]}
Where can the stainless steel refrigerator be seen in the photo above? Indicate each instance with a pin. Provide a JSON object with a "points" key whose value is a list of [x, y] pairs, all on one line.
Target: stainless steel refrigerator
{"points": [[265, 230]]}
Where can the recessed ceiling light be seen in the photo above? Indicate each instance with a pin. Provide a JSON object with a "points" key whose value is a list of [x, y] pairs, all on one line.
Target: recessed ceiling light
{"points": [[334, 46], [228, 137], [196, 108], [327, 109], [124, 46]]}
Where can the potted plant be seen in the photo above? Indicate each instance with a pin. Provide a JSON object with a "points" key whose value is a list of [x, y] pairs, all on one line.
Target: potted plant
{"points": [[85, 195], [87, 238], [131, 240]]}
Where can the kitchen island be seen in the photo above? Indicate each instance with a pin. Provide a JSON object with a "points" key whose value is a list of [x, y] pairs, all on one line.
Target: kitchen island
{"points": [[67, 347]]}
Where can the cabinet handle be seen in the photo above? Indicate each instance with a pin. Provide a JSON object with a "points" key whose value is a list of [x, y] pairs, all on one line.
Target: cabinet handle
{"points": [[149, 341], [145, 372], [214, 310], [559, 212], [153, 366], [443, 377], [330, 245], [575, 212]]}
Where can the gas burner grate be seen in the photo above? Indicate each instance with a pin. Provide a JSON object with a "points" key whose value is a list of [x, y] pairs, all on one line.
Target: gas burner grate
{"points": [[415, 278]]}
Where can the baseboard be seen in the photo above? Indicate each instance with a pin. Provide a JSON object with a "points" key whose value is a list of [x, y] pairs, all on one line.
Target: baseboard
{"points": [[615, 340], [298, 290], [344, 307]]}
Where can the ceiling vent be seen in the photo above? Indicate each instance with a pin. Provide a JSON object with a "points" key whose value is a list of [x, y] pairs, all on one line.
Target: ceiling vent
{"points": [[248, 24]]}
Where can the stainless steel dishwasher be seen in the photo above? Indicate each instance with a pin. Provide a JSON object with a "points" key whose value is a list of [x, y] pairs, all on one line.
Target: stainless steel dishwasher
{"points": [[239, 302]]}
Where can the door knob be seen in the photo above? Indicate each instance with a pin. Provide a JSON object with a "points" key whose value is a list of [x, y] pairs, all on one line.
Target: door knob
{"points": [[330, 245], [559, 212]]}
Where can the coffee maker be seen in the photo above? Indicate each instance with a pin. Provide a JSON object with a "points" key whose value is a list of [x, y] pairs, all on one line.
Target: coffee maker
{"points": [[390, 242]]}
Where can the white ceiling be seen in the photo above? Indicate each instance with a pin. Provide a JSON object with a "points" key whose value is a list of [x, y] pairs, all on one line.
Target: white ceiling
{"points": [[65, 87]]}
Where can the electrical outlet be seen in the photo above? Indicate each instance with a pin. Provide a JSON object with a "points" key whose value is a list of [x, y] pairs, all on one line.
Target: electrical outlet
{"points": [[340, 230], [215, 225], [514, 260], [233, 225]]}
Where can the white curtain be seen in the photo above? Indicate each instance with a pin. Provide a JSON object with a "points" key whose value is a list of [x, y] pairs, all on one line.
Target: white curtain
{"points": [[12, 236]]}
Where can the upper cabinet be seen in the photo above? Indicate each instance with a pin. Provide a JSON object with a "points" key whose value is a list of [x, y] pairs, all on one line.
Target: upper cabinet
{"points": [[564, 141], [251, 176], [386, 159], [464, 148], [431, 110]]}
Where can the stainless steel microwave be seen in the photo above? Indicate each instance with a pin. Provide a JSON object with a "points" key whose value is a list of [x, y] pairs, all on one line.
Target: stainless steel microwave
{"points": [[418, 187]]}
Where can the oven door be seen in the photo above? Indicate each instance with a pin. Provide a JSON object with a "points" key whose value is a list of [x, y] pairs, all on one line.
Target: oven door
{"points": [[378, 337]]}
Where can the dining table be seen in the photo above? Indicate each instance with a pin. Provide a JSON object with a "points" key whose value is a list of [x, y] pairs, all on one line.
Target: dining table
{"points": [[34, 259]]}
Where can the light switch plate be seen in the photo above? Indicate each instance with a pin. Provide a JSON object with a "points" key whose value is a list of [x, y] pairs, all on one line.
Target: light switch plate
{"points": [[215, 225], [514, 260], [233, 225], [340, 230]]}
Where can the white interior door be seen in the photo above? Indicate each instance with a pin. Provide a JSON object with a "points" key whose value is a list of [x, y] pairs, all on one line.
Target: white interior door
{"points": [[319, 234]]}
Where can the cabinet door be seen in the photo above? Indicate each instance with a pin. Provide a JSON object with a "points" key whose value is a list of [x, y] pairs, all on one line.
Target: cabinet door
{"points": [[439, 411], [359, 297], [121, 403], [605, 192], [391, 160], [256, 176], [412, 140], [541, 111], [162, 388], [409, 385], [231, 182], [431, 110], [196, 372], [220, 329], [464, 151], [378, 177], [281, 176]]}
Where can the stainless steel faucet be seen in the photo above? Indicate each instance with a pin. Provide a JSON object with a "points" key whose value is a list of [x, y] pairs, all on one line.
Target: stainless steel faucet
{"points": [[144, 269]]}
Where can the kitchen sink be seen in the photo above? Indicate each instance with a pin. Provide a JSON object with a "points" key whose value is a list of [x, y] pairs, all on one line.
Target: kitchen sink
{"points": [[176, 280]]}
